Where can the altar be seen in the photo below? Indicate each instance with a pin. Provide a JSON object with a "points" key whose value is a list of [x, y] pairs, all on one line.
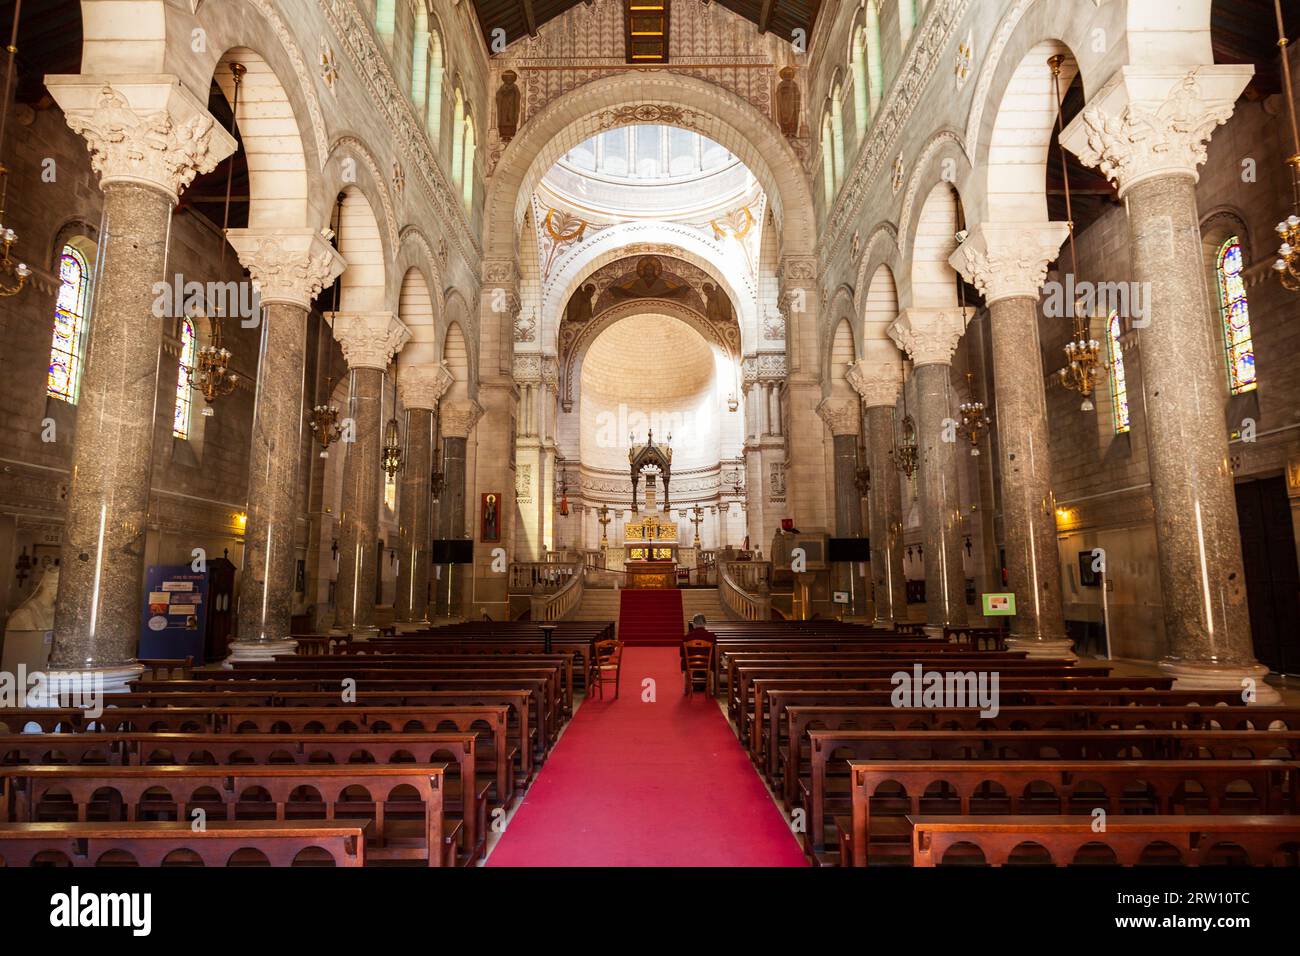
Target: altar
{"points": [[651, 574]]}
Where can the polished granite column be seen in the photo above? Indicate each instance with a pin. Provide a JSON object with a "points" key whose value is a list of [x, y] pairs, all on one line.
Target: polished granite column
{"points": [[419, 388], [289, 268], [1008, 264], [878, 384], [369, 342], [843, 418], [148, 138], [457, 419], [1147, 130], [930, 337]]}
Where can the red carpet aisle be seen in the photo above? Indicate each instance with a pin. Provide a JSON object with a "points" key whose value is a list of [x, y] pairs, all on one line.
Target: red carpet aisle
{"points": [[648, 784], [650, 616]]}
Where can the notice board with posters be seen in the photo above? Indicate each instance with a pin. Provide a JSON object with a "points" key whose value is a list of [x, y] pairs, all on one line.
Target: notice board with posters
{"points": [[175, 612]]}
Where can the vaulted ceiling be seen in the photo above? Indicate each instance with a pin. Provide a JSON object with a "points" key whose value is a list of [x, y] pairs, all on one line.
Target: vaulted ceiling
{"points": [[520, 18]]}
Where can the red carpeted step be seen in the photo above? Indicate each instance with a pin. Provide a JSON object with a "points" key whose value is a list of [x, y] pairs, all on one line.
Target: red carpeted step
{"points": [[650, 617]]}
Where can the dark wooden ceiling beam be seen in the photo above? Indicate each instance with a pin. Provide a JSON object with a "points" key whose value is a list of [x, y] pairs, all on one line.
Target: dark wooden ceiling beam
{"points": [[764, 16], [530, 18]]}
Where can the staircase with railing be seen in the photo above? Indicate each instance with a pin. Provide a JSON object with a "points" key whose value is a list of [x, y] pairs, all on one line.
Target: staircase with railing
{"points": [[554, 590], [745, 588]]}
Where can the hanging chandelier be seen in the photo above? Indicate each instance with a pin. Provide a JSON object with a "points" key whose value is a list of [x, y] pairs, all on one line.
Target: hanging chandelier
{"points": [[210, 374], [904, 452], [1084, 364], [1288, 262], [13, 273], [324, 422], [392, 449], [974, 421]]}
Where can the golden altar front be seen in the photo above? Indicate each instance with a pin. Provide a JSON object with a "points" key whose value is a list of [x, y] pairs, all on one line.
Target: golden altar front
{"points": [[651, 548]]}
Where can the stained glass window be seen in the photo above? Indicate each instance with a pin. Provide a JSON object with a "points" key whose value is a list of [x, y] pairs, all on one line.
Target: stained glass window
{"points": [[1238, 349], [1118, 383], [184, 400], [71, 317]]}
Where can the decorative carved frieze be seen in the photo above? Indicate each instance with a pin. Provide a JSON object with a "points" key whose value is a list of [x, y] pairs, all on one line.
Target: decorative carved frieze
{"points": [[1009, 260], [930, 336], [1149, 121], [368, 340], [877, 383], [421, 386], [287, 265], [149, 130]]}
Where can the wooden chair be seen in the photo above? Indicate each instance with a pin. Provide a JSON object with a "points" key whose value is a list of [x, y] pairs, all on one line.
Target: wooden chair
{"points": [[699, 663], [606, 666]]}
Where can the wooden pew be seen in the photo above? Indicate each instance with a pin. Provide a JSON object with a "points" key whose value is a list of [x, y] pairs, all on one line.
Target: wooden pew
{"points": [[31, 793], [819, 790], [1271, 781], [155, 843], [1262, 838]]}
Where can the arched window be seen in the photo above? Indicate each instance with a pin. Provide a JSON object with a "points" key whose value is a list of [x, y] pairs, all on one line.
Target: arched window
{"points": [[386, 20], [71, 324], [828, 160], [860, 94], [467, 174], [837, 132], [875, 65], [1118, 383], [458, 139], [1238, 348], [184, 394], [420, 58], [433, 116], [909, 15]]}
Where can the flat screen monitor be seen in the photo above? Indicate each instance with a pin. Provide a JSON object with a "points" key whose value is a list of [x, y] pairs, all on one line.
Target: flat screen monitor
{"points": [[452, 551], [848, 549]]}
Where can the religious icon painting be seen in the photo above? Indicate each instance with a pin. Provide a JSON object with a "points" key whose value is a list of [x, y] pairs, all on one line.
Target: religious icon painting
{"points": [[490, 517]]}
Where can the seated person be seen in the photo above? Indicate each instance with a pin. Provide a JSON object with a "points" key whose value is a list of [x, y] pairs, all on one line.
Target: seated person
{"points": [[696, 631]]}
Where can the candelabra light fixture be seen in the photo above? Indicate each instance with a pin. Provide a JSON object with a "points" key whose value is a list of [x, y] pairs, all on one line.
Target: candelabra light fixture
{"points": [[602, 515], [974, 421], [697, 519], [1288, 261], [1084, 364], [904, 451], [324, 424], [13, 273], [210, 374], [392, 441]]}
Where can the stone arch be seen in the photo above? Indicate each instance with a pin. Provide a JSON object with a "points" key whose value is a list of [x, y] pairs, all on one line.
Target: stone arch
{"points": [[942, 159], [933, 280], [279, 193], [455, 353], [880, 309], [841, 353], [625, 240], [571, 361], [1011, 180], [662, 96], [363, 285], [415, 311], [455, 310], [352, 164], [881, 249], [137, 44]]}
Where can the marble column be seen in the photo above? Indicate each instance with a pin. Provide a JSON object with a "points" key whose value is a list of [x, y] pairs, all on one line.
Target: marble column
{"points": [[878, 384], [369, 341], [842, 416], [1008, 263], [930, 337], [288, 268], [1147, 130], [457, 419], [148, 138], [419, 387]]}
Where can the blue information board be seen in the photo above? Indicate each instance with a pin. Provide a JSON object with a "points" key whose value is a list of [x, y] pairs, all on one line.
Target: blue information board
{"points": [[175, 612]]}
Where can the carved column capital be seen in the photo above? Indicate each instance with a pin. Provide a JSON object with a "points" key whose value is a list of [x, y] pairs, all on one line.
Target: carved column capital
{"points": [[877, 383], [148, 129], [841, 415], [420, 386], [287, 265], [1154, 120], [1009, 260], [459, 417], [370, 339], [930, 336]]}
